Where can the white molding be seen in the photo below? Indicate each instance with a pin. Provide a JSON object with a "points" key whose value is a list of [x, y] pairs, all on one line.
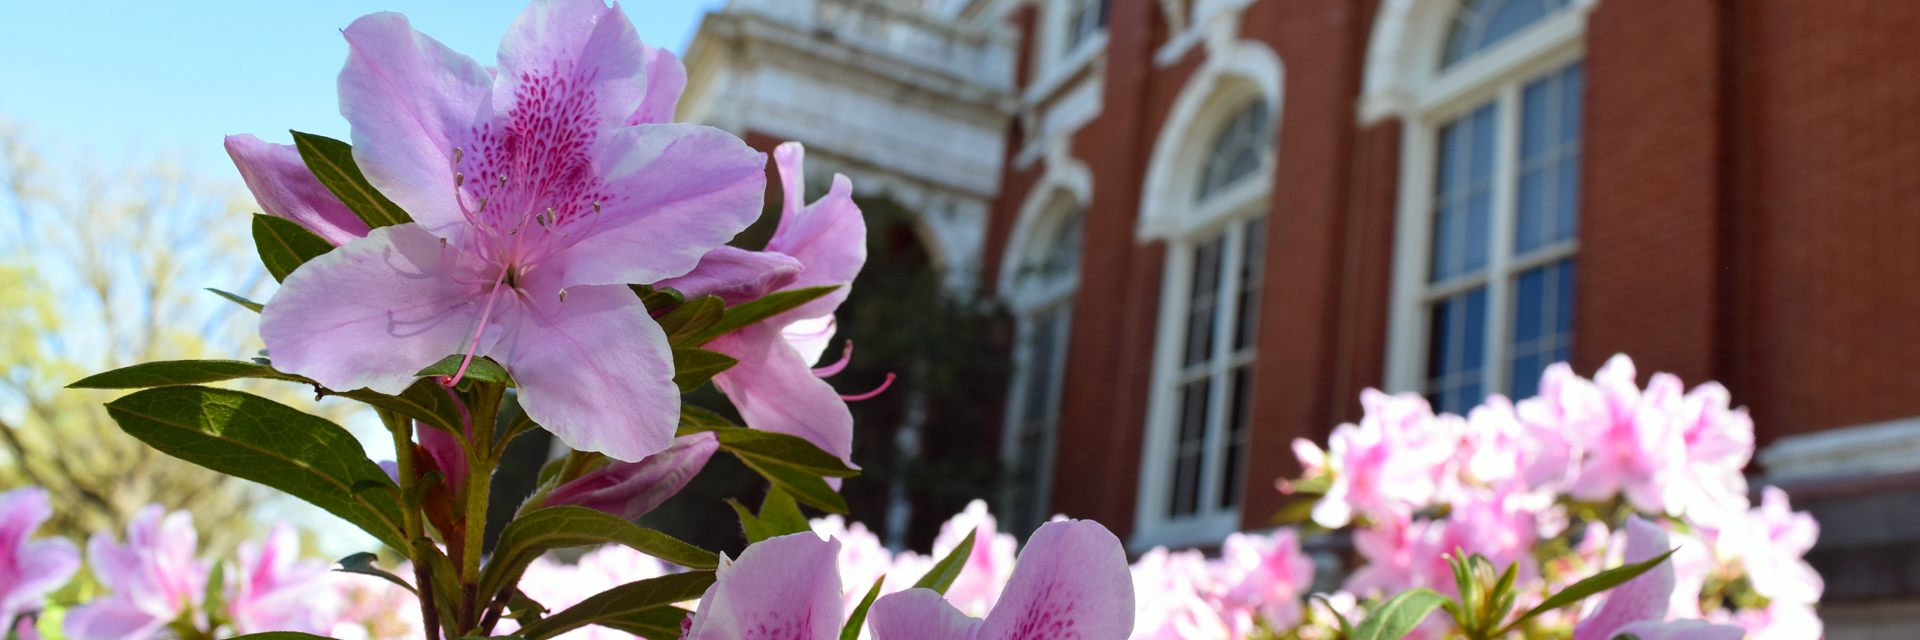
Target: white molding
{"points": [[1401, 76], [1880, 448], [1210, 94], [1066, 177]]}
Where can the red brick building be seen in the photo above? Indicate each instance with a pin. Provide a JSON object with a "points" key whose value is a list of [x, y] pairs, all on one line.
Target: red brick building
{"points": [[1219, 220]]}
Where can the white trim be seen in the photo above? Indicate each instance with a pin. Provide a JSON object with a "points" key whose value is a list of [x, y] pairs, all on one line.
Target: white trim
{"points": [[1068, 178], [1070, 181], [1232, 72], [1404, 81], [1880, 448]]}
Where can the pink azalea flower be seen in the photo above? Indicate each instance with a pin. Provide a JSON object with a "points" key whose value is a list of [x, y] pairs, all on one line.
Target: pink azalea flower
{"points": [[785, 587], [1266, 574], [1771, 544], [862, 559], [1781, 620], [1712, 486], [1171, 601], [1566, 407], [275, 590], [818, 244], [1393, 462], [1071, 577], [556, 585], [30, 568], [989, 566], [1639, 607], [1638, 450], [631, 489], [1403, 554], [153, 578], [538, 192], [283, 187]]}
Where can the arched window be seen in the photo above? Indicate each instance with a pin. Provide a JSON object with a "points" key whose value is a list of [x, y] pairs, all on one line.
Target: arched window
{"points": [[1203, 380], [1480, 24], [1238, 151], [1484, 297], [1042, 301]]}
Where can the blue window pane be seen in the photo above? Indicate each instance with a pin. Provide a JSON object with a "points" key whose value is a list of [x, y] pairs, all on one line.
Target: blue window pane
{"points": [[1546, 210], [1484, 128], [1456, 350], [1530, 214], [1567, 202], [1464, 196], [1479, 220], [1542, 324], [1200, 303], [1573, 96], [1537, 119], [1480, 24]]}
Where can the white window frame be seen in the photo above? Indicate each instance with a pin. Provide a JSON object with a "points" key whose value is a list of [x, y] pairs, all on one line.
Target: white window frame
{"points": [[1057, 63], [1496, 74], [1227, 211], [1028, 298]]}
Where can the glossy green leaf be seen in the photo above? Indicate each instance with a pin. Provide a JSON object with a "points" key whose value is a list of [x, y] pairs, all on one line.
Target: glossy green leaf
{"points": [[657, 299], [1397, 617], [237, 299], [284, 245], [780, 515], [769, 447], [660, 623], [694, 419], [1295, 512], [627, 603], [446, 583], [749, 524], [332, 162], [482, 369], [178, 372], [362, 563], [767, 306], [214, 598], [809, 489], [690, 319], [557, 527], [1346, 628], [859, 615], [694, 367], [944, 572], [1598, 583], [426, 402], [250, 437]]}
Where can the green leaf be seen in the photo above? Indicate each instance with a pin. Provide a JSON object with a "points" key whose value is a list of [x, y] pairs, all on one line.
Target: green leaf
{"points": [[695, 419], [1295, 512], [780, 515], [767, 306], [859, 616], [362, 563], [1397, 617], [253, 438], [627, 603], [690, 319], [332, 162], [284, 245], [768, 446], [662, 623], [749, 523], [809, 489], [947, 569], [657, 299], [249, 304], [426, 401], [482, 369], [178, 372], [694, 367], [446, 583], [214, 600], [1346, 629], [557, 527], [1599, 582]]}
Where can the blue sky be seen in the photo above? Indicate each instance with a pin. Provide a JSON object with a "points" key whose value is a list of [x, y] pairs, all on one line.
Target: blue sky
{"points": [[120, 79]]}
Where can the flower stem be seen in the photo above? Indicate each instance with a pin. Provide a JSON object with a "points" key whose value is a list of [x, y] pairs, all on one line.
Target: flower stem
{"points": [[480, 463], [402, 430]]}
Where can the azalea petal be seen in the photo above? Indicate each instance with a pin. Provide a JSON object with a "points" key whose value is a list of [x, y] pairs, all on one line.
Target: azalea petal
{"points": [[447, 456], [736, 275], [631, 489], [285, 188], [828, 236], [374, 312], [1071, 576], [1642, 598], [114, 617], [596, 371], [666, 80], [677, 192], [408, 98], [36, 566], [919, 614], [776, 391], [1681, 630], [573, 58], [782, 588]]}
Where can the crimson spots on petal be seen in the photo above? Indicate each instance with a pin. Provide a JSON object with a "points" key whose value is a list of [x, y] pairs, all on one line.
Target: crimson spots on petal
{"points": [[533, 164]]}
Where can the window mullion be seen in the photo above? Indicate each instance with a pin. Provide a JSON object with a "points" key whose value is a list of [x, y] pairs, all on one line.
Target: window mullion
{"points": [[1506, 174]]}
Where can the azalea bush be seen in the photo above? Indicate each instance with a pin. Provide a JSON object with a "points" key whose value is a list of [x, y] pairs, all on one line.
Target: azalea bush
{"points": [[536, 246]]}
